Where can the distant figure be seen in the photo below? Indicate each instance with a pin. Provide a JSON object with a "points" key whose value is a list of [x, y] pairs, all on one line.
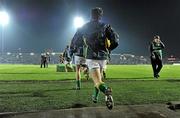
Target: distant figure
{"points": [[67, 58], [99, 39], [61, 59], [156, 47], [45, 58]]}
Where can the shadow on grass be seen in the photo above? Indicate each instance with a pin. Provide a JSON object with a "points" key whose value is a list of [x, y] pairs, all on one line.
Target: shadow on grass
{"points": [[36, 81], [78, 105], [24, 94], [173, 80], [143, 79], [129, 78], [37, 93]]}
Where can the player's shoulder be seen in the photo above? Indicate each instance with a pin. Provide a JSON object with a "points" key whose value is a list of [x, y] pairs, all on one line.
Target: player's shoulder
{"points": [[106, 25], [90, 23], [86, 25]]}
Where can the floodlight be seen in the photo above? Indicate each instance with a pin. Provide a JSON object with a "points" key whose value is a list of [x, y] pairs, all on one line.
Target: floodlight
{"points": [[4, 18], [78, 22], [53, 53], [31, 53], [8, 53]]}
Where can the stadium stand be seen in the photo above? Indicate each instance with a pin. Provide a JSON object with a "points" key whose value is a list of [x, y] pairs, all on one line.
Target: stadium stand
{"points": [[34, 58]]}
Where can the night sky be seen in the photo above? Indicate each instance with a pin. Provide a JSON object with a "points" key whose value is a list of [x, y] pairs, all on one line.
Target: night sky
{"points": [[36, 25]]}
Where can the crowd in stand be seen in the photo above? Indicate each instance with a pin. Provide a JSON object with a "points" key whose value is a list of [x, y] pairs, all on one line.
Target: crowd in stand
{"points": [[35, 58]]}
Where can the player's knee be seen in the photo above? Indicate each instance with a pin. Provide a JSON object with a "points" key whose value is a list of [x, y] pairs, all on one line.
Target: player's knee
{"points": [[98, 84]]}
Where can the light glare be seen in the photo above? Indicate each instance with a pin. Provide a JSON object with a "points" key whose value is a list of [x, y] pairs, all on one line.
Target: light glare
{"points": [[78, 22], [4, 18]]}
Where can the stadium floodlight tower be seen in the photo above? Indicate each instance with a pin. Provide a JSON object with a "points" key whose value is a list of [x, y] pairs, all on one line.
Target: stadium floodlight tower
{"points": [[4, 20], [78, 22]]}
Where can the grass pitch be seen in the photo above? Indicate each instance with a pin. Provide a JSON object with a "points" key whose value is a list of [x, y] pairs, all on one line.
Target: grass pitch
{"points": [[30, 88], [34, 72]]}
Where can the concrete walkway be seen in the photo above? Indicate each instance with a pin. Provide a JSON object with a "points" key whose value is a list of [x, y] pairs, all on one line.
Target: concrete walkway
{"points": [[125, 111]]}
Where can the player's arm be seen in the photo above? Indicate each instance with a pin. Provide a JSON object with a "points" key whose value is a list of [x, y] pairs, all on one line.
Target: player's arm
{"points": [[112, 36], [152, 48], [73, 47], [162, 45]]}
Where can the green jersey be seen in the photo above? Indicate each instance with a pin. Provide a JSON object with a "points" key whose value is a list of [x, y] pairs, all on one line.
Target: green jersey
{"points": [[156, 49]]}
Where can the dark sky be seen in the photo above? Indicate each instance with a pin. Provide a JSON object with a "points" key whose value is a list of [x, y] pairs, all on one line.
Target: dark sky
{"points": [[36, 25]]}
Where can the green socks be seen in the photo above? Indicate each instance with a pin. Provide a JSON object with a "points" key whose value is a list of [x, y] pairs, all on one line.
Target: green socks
{"points": [[78, 83], [103, 87], [96, 93]]}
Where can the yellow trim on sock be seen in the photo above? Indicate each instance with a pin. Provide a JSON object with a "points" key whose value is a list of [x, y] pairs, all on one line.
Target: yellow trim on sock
{"points": [[97, 85]]}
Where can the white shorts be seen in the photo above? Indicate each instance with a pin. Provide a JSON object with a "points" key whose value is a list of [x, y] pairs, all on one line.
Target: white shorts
{"points": [[79, 60], [66, 62], [93, 64]]}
